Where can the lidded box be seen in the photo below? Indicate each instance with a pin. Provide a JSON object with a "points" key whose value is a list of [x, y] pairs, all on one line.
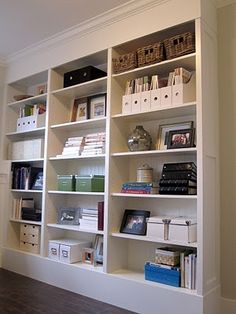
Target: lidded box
{"points": [[158, 227], [89, 183], [66, 182], [183, 229]]}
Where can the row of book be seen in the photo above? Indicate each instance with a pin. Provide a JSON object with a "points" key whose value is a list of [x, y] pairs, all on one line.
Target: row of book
{"points": [[180, 75], [32, 110], [89, 145], [24, 177], [92, 218], [139, 187], [24, 208]]}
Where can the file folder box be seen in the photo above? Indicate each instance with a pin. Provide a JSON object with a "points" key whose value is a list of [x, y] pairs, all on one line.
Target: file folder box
{"points": [[136, 102], [30, 122], [155, 272], [145, 101], [183, 93], [155, 99], [126, 104], [90, 183]]}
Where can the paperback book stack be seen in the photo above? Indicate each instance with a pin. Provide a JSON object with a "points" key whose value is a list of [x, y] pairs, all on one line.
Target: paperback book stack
{"points": [[94, 144], [139, 187], [73, 147], [89, 218], [24, 208], [179, 178]]}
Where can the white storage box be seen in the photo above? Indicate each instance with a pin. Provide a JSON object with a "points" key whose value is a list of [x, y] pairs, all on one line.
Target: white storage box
{"points": [[136, 102], [183, 229], [155, 99], [145, 101], [30, 149], [30, 122], [67, 250], [166, 96], [158, 227], [183, 93]]}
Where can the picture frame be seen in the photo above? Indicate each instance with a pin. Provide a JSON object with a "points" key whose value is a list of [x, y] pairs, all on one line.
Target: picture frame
{"points": [[68, 216], [42, 89], [97, 105], [80, 109], [134, 222], [98, 247], [88, 255], [162, 137], [180, 139]]}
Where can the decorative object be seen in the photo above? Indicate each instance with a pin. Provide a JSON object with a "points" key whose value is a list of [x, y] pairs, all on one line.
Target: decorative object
{"points": [[179, 45], [68, 216], [42, 89], [124, 62], [134, 222], [180, 139], [139, 139], [88, 256], [150, 54], [145, 173], [98, 246], [164, 130], [38, 182], [97, 106]]}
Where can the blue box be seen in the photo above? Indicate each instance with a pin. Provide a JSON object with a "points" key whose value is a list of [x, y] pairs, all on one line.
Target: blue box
{"points": [[162, 274]]}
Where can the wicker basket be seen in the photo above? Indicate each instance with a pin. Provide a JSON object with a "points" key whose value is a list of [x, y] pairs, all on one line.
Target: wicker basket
{"points": [[150, 54], [167, 257], [125, 62], [179, 45]]}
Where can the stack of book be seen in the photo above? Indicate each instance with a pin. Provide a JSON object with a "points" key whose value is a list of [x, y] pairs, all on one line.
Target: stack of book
{"points": [[139, 187], [73, 147], [178, 178], [24, 208], [89, 218], [94, 144]]}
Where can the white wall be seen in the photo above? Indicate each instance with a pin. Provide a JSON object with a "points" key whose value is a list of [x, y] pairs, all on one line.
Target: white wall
{"points": [[227, 98]]}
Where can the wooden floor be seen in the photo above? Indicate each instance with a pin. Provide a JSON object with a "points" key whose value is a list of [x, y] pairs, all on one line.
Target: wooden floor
{"points": [[19, 294]]}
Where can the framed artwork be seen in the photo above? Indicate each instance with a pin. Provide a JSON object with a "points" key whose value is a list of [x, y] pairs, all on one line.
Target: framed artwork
{"points": [[41, 89], [164, 129], [68, 216], [134, 222], [79, 109], [180, 139], [88, 256], [98, 247], [97, 106]]}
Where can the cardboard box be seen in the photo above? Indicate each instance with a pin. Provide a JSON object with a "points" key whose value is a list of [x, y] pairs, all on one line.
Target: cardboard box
{"points": [[92, 183], [66, 182]]}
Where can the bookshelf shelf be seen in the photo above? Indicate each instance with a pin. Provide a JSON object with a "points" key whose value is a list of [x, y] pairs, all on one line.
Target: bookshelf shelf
{"points": [[76, 193], [30, 222], [155, 196], [74, 228], [80, 125]]}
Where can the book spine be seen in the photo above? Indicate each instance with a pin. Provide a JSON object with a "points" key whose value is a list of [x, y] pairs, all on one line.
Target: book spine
{"points": [[100, 216]]}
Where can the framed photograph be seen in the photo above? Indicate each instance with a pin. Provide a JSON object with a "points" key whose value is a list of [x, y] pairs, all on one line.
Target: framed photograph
{"points": [[180, 139], [88, 256], [97, 106], [79, 109], [68, 216], [134, 222], [98, 247], [164, 129], [41, 89]]}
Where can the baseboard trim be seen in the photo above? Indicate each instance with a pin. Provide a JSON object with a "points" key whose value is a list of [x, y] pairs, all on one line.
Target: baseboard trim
{"points": [[228, 306]]}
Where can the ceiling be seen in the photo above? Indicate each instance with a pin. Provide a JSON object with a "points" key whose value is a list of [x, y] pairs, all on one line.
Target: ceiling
{"points": [[24, 23]]}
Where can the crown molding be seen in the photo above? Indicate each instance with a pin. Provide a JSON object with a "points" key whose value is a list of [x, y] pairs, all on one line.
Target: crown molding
{"points": [[107, 18], [223, 3]]}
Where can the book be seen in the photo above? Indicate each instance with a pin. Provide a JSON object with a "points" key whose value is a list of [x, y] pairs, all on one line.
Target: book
{"points": [[180, 166], [176, 183], [179, 175], [177, 190], [101, 215]]}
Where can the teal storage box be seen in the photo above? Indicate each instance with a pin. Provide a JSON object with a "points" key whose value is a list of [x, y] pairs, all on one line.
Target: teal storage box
{"points": [[90, 183], [66, 183]]}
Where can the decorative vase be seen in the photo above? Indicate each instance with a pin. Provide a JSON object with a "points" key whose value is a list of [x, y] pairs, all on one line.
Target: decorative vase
{"points": [[139, 139]]}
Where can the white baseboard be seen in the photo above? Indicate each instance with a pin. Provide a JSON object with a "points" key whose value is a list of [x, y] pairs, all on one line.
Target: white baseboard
{"points": [[228, 306]]}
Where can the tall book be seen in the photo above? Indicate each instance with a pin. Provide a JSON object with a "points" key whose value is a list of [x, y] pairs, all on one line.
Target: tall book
{"points": [[101, 216]]}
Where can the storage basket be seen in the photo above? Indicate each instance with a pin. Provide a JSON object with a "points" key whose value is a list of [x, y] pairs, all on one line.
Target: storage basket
{"points": [[179, 45], [150, 54], [167, 256], [125, 62]]}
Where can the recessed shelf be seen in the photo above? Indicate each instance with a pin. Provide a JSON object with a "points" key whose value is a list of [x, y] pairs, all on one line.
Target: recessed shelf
{"points": [[81, 125], [186, 109], [157, 196], [28, 160], [152, 239], [149, 153], [26, 191], [28, 101], [29, 222], [97, 86], [76, 193], [74, 228], [101, 156]]}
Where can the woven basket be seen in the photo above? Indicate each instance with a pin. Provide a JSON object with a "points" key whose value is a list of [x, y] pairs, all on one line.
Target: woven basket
{"points": [[179, 45], [124, 62], [167, 257], [150, 54]]}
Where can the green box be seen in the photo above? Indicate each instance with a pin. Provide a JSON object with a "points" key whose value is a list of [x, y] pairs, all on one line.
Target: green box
{"points": [[66, 183], [90, 183]]}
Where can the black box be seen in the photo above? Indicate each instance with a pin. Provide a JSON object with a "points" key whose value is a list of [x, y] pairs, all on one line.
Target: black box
{"points": [[82, 75]]}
